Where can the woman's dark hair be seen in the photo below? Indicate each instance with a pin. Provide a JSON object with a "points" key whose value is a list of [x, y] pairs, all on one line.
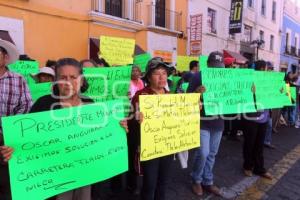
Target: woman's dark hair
{"points": [[88, 60], [193, 64], [260, 65], [101, 61], [73, 62], [50, 63], [3, 50], [149, 74]]}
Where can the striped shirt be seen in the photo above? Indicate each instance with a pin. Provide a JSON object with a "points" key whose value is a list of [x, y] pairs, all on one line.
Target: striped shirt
{"points": [[15, 97]]}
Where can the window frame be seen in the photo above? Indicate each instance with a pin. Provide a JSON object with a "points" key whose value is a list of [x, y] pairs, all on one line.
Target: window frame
{"points": [[212, 24], [263, 8]]}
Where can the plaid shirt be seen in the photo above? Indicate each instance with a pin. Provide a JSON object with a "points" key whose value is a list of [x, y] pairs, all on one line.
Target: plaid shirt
{"points": [[15, 97]]}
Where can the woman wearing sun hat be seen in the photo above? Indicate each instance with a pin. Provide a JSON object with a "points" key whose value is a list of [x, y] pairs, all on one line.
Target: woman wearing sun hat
{"points": [[155, 171]]}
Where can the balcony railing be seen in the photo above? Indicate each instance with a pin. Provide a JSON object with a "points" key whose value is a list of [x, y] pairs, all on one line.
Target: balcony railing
{"points": [[293, 51], [164, 18], [130, 10], [288, 50]]}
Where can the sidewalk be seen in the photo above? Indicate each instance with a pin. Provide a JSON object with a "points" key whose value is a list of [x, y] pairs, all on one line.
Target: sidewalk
{"points": [[228, 170]]}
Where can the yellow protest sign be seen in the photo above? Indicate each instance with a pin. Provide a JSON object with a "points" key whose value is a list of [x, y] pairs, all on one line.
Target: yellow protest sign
{"points": [[171, 124], [117, 51], [183, 62]]}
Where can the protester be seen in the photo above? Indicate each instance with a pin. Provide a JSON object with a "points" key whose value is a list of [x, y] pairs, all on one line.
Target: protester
{"points": [[297, 124], [25, 57], [232, 123], [15, 100], [136, 82], [268, 136], [67, 93], [155, 171], [194, 69], [51, 64], [288, 112], [45, 74], [229, 62], [101, 62], [211, 129], [255, 127], [88, 63]]}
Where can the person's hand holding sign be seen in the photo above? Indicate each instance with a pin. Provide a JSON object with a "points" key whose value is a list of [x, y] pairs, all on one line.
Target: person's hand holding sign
{"points": [[124, 124], [201, 89], [6, 153]]}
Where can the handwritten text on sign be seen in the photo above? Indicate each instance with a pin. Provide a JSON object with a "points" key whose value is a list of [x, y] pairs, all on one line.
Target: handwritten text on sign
{"points": [[228, 91], [61, 150], [270, 90], [107, 83], [171, 124], [117, 51], [25, 68]]}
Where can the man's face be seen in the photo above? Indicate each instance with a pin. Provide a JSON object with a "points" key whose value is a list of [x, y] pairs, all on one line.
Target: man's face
{"points": [[3, 59]]}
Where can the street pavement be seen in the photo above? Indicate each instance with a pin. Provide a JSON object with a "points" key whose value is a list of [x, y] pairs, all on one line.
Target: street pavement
{"points": [[229, 175]]}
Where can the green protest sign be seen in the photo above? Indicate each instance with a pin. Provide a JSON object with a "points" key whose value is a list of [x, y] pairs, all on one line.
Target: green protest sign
{"points": [[108, 83], [185, 86], [228, 91], [61, 150], [203, 62], [38, 90], [142, 60], [175, 80], [25, 68], [270, 90]]}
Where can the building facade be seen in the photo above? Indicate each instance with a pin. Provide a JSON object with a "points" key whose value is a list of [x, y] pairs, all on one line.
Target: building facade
{"points": [[214, 22], [290, 44], [261, 21], [53, 29]]}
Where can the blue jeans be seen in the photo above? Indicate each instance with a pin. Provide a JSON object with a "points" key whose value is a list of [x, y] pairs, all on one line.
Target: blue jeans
{"points": [[288, 113], [205, 157], [268, 136]]}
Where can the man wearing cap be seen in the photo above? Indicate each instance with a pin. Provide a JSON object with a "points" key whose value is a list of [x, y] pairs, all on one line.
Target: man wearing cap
{"points": [[46, 74], [14, 99], [210, 134]]}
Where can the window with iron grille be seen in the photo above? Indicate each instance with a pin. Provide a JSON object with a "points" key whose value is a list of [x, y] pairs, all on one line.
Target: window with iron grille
{"points": [[160, 13], [261, 35], [271, 42], [250, 3], [263, 7], [247, 33], [274, 11], [113, 7], [211, 20]]}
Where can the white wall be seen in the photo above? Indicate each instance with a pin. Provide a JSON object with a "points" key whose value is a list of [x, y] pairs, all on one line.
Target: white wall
{"points": [[253, 17], [16, 31], [163, 43], [219, 41]]}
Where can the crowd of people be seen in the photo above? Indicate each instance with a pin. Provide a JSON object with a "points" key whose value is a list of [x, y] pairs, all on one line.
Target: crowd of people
{"points": [[15, 98]]}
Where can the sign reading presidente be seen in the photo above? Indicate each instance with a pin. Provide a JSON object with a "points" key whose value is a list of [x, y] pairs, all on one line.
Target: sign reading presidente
{"points": [[236, 16]]}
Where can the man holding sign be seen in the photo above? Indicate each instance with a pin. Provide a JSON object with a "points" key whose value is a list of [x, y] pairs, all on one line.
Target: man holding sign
{"points": [[210, 137], [14, 100]]}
